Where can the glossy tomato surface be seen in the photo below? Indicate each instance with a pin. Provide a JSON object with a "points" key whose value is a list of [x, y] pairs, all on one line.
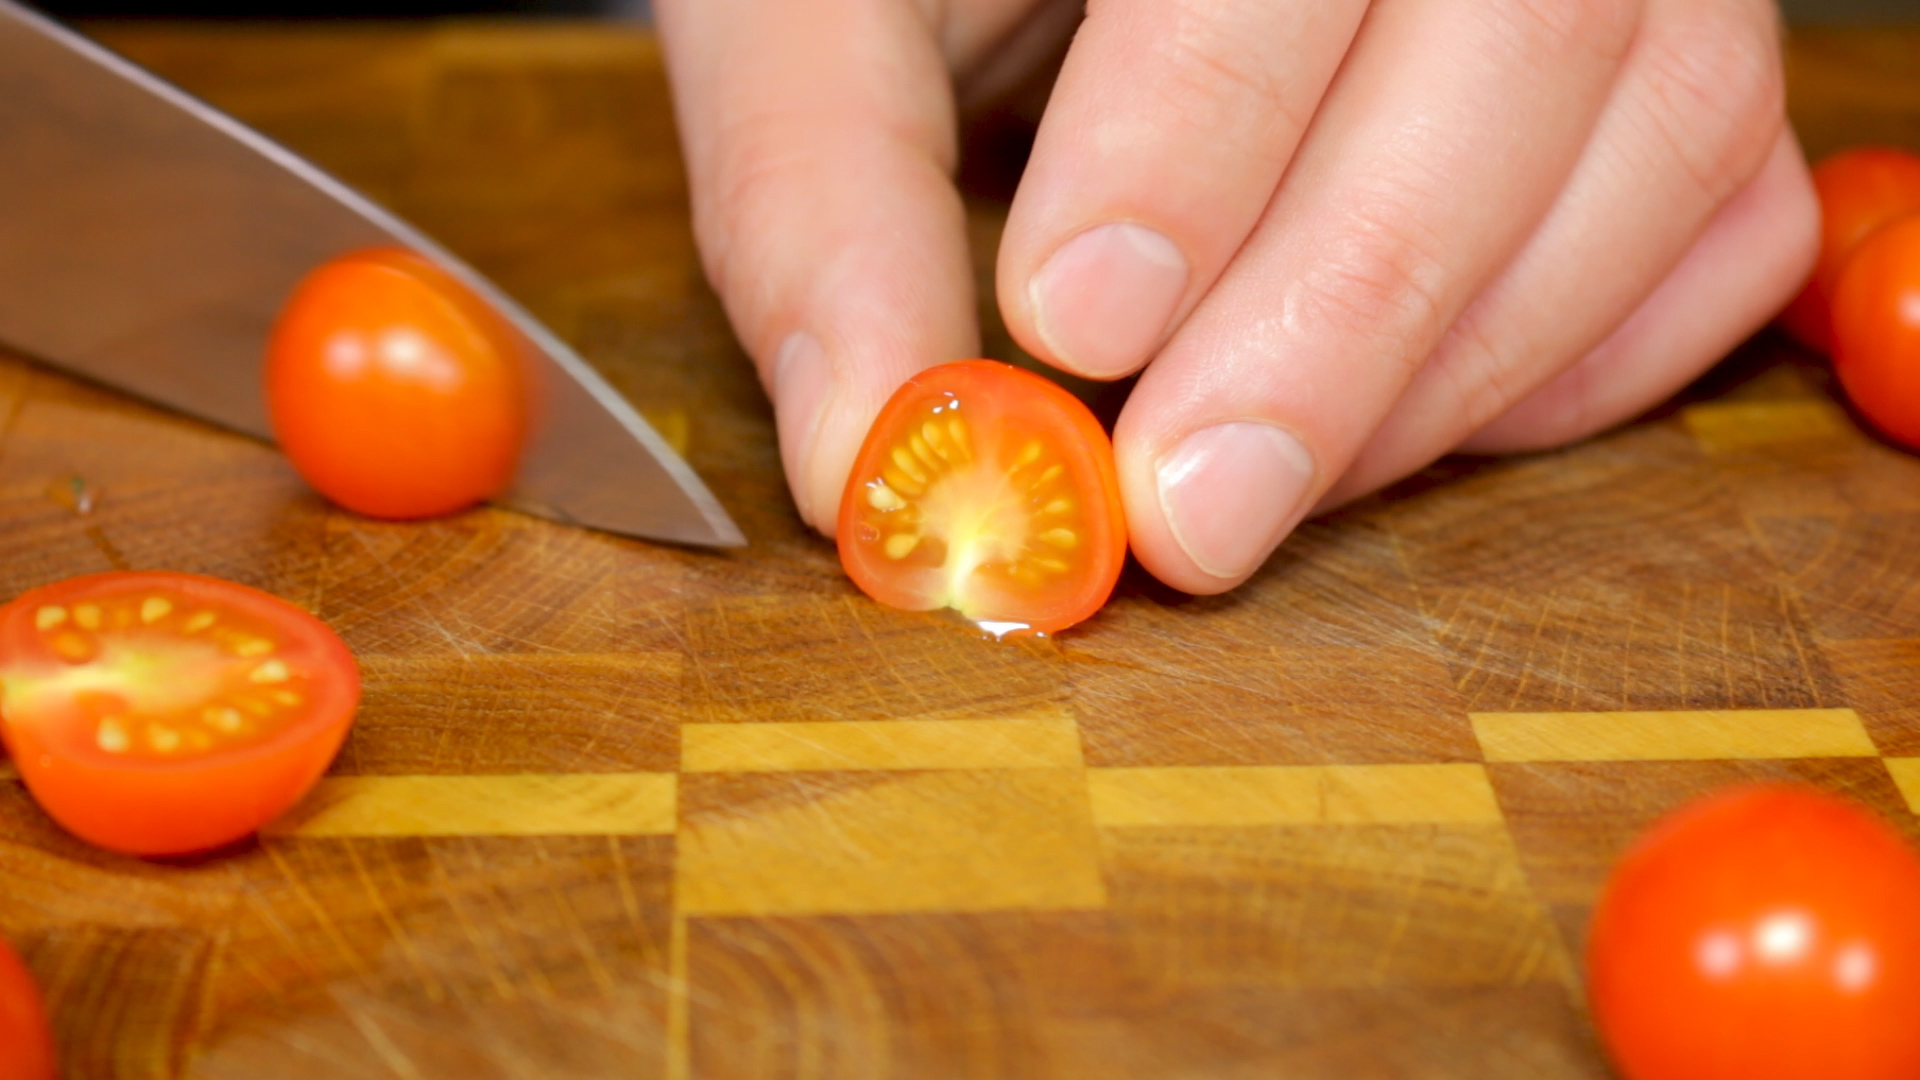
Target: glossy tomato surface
{"points": [[1860, 189], [394, 390], [1766, 932], [1876, 329], [157, 713], [26, 1046], [989, 490]]}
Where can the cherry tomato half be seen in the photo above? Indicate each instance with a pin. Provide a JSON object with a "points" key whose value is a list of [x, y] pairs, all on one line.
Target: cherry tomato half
{"points": [[1767, 932], [1859, 189], [989, 490], [1876, 329], [26, 1046], [395, 391], [157, 713]]}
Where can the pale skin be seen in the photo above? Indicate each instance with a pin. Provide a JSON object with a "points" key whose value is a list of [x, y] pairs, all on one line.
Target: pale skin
{"points": [[1337, 239]]}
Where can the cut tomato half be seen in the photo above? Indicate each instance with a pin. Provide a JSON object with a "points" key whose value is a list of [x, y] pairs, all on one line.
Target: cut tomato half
{"points": [[159, 713], [989, 490]]}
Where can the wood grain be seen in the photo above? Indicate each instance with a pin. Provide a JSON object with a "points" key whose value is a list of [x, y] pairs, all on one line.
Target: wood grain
{"points": [[625, 810]]}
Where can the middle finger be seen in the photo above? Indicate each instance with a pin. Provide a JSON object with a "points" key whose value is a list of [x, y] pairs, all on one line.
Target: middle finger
{"points": [[1441, 144]]}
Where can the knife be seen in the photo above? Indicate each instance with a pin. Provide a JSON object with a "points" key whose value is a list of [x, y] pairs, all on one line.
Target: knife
{"points": [[147, 241]]}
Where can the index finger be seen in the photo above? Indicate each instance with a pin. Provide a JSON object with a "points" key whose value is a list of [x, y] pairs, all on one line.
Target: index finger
{"points": [[820, 141]]}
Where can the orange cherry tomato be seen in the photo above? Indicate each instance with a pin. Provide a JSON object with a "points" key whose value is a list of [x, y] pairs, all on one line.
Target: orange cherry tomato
{"points": [[395, 391], [1859, 190], [26, 1046], [1770, 931], [989, 490], [157, 713], [1876, 329]]}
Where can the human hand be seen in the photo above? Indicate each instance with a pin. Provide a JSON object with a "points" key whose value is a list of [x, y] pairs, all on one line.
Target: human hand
{"points": [[1342, 239]]}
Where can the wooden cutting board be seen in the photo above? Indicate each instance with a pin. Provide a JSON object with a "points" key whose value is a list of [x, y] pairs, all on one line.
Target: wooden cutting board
{"points": [[622, 810]]}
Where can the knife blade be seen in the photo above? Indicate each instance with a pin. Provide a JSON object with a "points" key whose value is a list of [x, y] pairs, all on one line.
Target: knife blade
{"points": [[147, 241]]}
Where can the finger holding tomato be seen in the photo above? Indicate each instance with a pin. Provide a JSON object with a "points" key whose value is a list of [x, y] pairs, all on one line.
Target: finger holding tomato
{"points": [[1335, 241]]}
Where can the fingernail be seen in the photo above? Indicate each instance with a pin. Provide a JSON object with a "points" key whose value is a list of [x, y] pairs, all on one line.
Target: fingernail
{"points": [[1104, 300], [802, 383], [1231, 491]]}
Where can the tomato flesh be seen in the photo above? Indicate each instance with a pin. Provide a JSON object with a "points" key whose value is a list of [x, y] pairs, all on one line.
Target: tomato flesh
{"points": [[26, 1045], [393, 389], [989, 490], [1768, 932], [1876, 329], [1859, 190], [158, 713]]}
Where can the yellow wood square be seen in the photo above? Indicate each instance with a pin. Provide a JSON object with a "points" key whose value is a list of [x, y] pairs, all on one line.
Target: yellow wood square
{"points": [[1732, 427], [1906, 773], [1326, 906], [582, 804], [1673, 736], [888, 842], [1051, 742], [1293, 795]]}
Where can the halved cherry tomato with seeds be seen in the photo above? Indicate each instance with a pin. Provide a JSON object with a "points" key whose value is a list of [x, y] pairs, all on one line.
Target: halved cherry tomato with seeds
{"points": [[989, 490], [159, 713]]}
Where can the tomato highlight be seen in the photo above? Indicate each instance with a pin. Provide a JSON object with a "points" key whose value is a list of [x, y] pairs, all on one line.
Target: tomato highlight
{"points": [[394, 390], [157, 713], [989, 490]]}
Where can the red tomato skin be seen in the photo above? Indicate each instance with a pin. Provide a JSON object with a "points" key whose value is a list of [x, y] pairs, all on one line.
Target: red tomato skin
{"points": [[26, 1044], [1768, 932], [1859, 189], [387, 435], [197, 803], [1006, 397], [1876, 329]]}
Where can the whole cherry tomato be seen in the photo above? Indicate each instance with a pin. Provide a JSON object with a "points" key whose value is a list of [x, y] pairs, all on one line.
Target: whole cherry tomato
{"points": [[158, 713], [1876, 329], [1859, 190], [1766, 933], [396, 391], [26, 1046], [989, 490]]}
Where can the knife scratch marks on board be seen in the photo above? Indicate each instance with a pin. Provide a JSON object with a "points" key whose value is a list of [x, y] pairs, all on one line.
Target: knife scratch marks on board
{"points": [[1799, 647], [1627, 649], [317, 910], [435, 990], [487, 955], [575, 929], [389, 1054]]}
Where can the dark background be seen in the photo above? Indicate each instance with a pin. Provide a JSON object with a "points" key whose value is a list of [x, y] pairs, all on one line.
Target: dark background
{"points": [[1799, 11]]}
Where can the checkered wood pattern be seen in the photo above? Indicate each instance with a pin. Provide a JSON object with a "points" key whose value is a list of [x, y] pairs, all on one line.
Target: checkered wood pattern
{"points": [[616, 809]]}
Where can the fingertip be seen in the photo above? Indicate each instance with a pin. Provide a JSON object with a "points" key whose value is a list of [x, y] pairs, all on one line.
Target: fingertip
{"points": [[1209, 509], [803, 385], [1103, 302]]}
